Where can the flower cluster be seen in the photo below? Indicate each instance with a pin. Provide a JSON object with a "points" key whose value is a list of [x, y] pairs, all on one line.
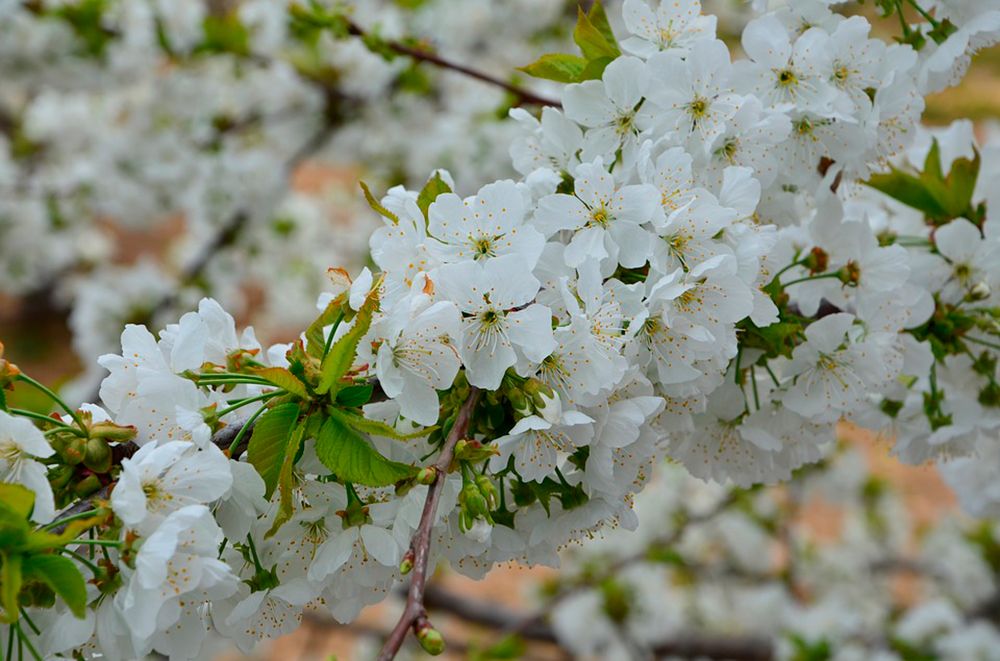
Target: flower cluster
{"points": [[689, 266]]}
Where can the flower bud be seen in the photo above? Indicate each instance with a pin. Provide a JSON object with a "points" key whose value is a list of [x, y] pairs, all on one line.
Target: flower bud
{"points": [[427, 475], [473, 451], [816, 261], [430, 638], [979, 292], [544, 399], [406, 564], [519, 403], [489, 492], [97, 456], [86, 486], [472, 501], [75, 450], [112, 432]]}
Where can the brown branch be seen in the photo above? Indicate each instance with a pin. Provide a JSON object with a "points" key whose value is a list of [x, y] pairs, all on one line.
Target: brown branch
{"points": [[685, 646], [414, 613], [523, 95]]}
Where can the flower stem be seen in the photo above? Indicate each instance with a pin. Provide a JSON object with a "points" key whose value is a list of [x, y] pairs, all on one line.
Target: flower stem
{"points": [[55, 398]]}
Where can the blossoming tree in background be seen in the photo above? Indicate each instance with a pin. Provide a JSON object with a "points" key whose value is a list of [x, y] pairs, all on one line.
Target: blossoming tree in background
{"points": [[703, 264]]}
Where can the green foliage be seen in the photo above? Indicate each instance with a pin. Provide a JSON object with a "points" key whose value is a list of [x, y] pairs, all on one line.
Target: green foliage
{"points": [[805, 650], [308, 20], [225, 33], [560, 67], [597, 43], [61, 576], [286, 479], [941, 198], [365, 426], [282, 378], [26, 555], [355, 396], [86, 19], [435, 186], [351, 457], [270, 443], [341, 355], [377, 206]]}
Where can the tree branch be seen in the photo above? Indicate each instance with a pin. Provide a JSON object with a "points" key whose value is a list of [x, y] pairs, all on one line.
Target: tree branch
{"points": [[414, 613], [523, 95], [685, 646]]}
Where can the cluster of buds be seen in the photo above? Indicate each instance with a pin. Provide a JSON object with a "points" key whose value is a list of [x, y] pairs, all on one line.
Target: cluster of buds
{"points": [[477, 499], [85, 455], [533, 397]]}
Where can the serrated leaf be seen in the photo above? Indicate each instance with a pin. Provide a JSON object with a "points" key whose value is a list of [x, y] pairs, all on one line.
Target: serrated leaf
{"points": [[341, 356], [377, 206], [435, 186], [63, 576], [592, 40], [269, 443], [352, 458], [355, 396], [282, 378], [285, 478], [11, 580], [366, 426], [315, 339], [560, 67]]}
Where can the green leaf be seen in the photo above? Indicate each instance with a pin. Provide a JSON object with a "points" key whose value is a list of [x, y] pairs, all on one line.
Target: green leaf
{"points": [[60, 574], [909, 190], [591, 39], [16, 500], [352, 458], [341, 356], [355, 396], [559, 67], [377, 206], [269, 442], [599, 19], [10, 585], [366, 426], [315, 339], [285, 478], [434, 187], [282, 378], [595, 68]]}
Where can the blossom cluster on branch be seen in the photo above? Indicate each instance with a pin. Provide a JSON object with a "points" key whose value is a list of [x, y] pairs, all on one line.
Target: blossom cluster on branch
{"points": [[706, 260]]}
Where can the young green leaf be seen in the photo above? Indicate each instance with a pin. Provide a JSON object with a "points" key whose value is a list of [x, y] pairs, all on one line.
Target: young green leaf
{"points": [[282, 378], [599, 19], [434, 187], [559, 67], [377, 206], [269, 442], [592, 40], [315, 339], [285, 480], [352, 458], [366, 426], [341, 356], [60, 574]]}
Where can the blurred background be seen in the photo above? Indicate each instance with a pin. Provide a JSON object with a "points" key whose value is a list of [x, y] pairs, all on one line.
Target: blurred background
{"points": [[152, 153]]}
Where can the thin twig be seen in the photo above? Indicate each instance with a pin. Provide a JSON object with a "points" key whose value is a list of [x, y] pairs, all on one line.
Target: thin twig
{"points": [[596, 579], [523, 95], [414, 613]]}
